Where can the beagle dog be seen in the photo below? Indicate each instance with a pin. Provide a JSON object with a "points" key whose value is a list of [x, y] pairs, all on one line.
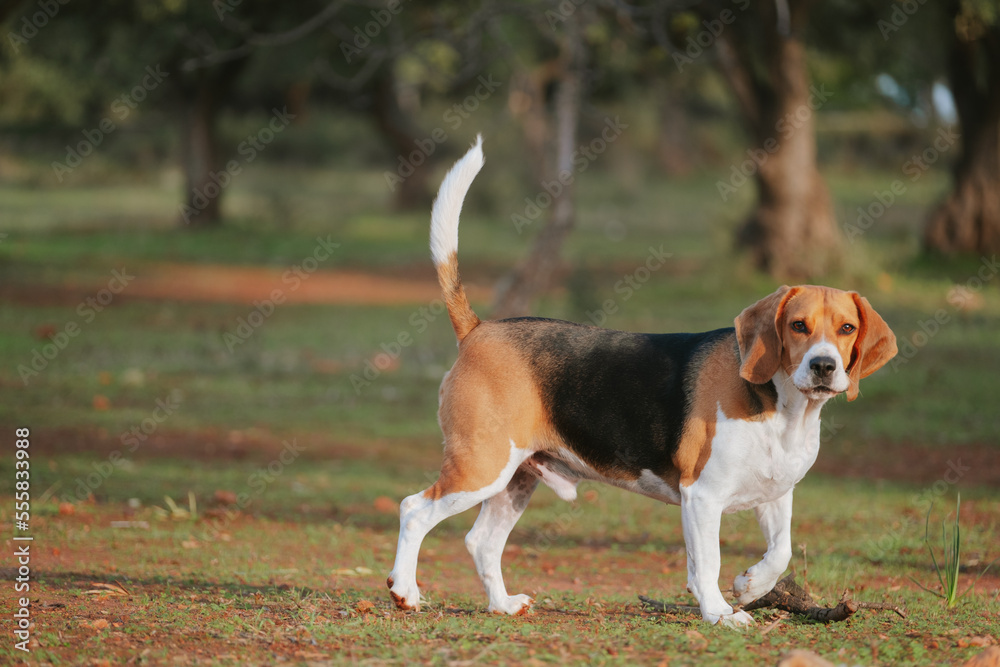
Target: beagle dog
{"points": [[715, 422]]}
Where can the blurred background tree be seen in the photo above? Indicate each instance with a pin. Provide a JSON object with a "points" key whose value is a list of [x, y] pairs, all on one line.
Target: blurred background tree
{"points": [[772, 69], [968, 221]]}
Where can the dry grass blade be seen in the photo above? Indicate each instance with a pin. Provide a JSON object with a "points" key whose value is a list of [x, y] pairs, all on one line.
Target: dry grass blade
{"points": [[113, 588]]}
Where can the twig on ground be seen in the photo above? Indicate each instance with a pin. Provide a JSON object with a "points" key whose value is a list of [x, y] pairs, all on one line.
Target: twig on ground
{"points": [[668, 608], [790, 597]]}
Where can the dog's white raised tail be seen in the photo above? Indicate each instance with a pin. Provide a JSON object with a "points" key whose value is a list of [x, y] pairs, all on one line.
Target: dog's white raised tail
{"points": [[448, 205]]}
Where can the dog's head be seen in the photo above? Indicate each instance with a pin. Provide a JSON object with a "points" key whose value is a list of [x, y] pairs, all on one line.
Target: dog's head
{"points": [[824, 338]]}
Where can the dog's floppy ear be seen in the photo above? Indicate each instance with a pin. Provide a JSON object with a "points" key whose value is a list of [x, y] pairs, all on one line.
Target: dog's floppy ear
{"points": [[874, 347], [759, 338]]}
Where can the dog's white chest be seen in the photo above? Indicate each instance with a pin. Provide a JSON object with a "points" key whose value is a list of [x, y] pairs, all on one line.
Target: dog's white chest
{"points": [[753, 462]]}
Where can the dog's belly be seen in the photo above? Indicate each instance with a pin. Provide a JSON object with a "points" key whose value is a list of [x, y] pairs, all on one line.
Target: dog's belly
{"points": [[561, 469]]}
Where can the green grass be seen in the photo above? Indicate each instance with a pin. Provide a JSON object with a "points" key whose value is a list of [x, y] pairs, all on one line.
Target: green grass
{"points": [[287, 573], [272, 579]]}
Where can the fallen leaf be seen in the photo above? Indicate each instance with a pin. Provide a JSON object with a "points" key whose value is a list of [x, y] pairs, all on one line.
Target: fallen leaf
{"points": [[800, 658], [364, 606], [67, 509], [45, 331], [310, 655], [353, 571], [386, 505], [698, 640], [190, 544], [988, 658], [99, 624], [101, 402], [977, 640], [223, 497], [133, 377]]}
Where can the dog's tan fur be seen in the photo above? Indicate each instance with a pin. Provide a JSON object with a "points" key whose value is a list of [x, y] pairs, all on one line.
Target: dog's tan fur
{"points": [[726, 389]]}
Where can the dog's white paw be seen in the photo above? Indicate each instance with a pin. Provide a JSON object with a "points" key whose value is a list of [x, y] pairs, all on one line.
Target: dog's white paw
{"points": [[746, 589], [730, 619], [739, 619], [406, 598], [513, 605]]}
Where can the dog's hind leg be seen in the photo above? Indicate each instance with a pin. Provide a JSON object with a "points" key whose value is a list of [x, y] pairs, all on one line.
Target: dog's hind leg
{"points": [[488, 536], [448, 496]]}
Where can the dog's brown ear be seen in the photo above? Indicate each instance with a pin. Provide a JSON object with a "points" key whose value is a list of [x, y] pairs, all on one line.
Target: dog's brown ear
{"points": [[874, 347], [759, 336]]}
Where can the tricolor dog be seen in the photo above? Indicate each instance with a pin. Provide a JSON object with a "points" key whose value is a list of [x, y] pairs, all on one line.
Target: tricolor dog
{"points": [[715, 422]]}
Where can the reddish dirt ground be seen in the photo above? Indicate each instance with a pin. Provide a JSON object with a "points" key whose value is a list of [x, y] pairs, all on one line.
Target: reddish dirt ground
{"points": [[233, 284], [979, 463], [216, 283]]}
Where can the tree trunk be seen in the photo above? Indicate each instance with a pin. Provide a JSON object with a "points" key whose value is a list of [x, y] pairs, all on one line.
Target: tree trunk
{"points": [[201, 160], [968, 221], [528, 105], [792, 233], [412, 164], [534, 275]]}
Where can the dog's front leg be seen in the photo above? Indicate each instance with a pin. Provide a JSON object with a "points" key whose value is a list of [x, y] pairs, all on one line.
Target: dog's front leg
{"points": [[702, 517], [775, 519]]}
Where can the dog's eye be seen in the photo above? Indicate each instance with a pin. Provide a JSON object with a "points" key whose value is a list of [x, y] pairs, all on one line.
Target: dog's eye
{"points": [[847, 328], [800, 326]]}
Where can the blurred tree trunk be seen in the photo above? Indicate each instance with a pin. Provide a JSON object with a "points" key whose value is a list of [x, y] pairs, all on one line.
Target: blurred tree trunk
{"points": [[412, 191], [528, 105], [200, 155], [676, 142], [205, 175], [968, 221], [518, 291], [792, 233]]}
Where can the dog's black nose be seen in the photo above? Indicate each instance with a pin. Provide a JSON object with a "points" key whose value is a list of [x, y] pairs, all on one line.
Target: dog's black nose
{"points": [[823, 367]]}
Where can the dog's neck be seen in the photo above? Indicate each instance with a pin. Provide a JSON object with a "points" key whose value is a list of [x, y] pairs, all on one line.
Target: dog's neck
{"points": [[801, 413]]}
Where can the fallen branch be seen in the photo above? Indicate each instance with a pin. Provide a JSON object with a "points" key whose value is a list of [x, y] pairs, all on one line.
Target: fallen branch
{"points": [[789, 596], [667, 608]]}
